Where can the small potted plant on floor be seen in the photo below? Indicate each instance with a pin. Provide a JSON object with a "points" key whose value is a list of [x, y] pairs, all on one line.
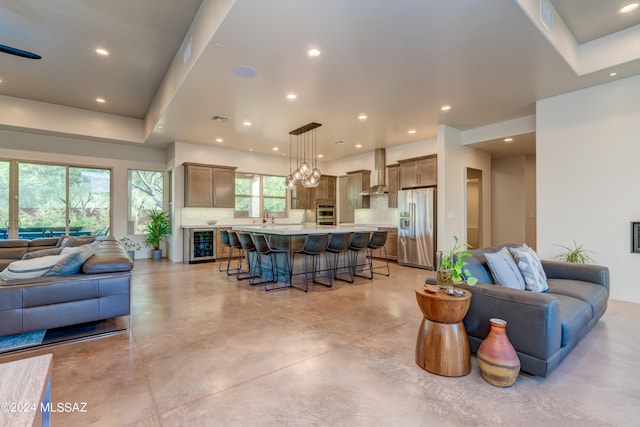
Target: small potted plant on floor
{"points": [[576, 254], [157, 229], [451, 270], [130, 246]]}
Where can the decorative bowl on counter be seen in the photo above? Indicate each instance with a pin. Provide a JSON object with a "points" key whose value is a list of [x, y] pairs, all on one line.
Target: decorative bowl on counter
{"points": [[212, 222]]}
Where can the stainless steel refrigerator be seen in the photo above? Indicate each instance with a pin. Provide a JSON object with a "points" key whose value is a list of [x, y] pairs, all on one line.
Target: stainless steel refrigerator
{"points": [[417, 227]]}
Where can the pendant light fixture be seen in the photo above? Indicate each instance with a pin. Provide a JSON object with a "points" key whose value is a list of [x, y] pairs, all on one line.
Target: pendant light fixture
{"points": [[306, 172]]}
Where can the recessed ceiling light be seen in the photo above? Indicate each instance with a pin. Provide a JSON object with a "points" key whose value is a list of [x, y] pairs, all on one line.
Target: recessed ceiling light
{"points": [[613, 74], [246, 123], [100, 100], [160, 127], [250, 149], [275, 149], [101, 51], [0, 80], [313, 52], [411, 131], [508, 139], [292, 96], [445, 108], [219, 140], [358, 145], [362, 117], [320, 156], [629, 8]]}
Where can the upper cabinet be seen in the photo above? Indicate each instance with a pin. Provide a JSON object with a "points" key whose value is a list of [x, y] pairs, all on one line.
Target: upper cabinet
{"points": [[302, 197], [209, 186], [393, 185], [419, 172], [358, 182], [326, 190]]}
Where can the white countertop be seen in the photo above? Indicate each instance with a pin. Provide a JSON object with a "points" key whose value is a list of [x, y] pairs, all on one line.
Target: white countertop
{"points": [[297, 229]]}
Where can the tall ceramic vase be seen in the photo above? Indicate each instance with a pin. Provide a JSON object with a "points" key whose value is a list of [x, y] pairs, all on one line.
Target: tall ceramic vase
{"points": [[497, 359]]}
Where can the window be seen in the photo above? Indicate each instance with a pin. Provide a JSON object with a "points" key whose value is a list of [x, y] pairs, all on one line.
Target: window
{"points": [[146, 191], [257, 193]]}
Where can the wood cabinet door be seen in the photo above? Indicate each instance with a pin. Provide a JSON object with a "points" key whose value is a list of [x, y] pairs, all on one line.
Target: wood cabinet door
{"points": [[428, 171], [198, 186], [409, 174], [346, 214], [223, 188], [393, 174]]}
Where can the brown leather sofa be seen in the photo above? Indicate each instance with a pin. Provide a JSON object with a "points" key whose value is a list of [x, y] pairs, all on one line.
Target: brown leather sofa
{"points": [[101, 290]]}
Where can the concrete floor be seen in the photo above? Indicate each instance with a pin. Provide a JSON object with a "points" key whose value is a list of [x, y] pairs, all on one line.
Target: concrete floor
{"points": [[207, 350]]}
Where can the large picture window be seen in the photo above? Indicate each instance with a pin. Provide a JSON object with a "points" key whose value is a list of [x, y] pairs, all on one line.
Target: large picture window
{"points": [[259, 194], [146, 191]]}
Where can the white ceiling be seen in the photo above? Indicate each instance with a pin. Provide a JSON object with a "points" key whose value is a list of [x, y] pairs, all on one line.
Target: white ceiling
{"points": [[396, 61]]}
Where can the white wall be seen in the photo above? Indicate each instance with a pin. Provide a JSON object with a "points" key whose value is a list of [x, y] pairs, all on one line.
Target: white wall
{"points": [[508, 201], [588, 147], [82, 152]]}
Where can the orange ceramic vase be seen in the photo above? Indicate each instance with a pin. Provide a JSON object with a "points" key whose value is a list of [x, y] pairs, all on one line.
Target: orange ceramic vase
{"points": [[497, 359]]}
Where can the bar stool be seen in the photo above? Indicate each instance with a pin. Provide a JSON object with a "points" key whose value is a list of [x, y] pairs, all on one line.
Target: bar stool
{"points": [[377, 241], [359, 242], [248, 249], [224, 239], [314, 246], [234, 242], [263, 249], [339, 244]]}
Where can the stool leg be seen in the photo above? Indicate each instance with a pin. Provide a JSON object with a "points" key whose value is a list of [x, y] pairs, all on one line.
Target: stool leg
{"points": [[224, 248]]}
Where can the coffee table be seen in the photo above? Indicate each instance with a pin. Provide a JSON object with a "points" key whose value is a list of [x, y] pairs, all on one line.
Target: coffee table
{"points": [[441, 346]]}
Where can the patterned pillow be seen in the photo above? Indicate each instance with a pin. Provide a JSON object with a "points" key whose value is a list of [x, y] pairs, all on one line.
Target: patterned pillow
{"points": [[29, 268], [504, 270], [531, 268]]}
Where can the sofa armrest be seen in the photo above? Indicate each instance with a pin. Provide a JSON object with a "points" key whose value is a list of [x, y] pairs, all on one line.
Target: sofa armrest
{"points": [[533, 319], [583, 272]]}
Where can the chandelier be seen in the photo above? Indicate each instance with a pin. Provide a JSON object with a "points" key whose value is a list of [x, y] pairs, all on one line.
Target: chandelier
{"points": [[306, 172]]}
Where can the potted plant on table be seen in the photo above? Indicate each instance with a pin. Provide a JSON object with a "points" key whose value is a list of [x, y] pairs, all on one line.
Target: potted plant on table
{"points": [[576, 254], [157, 229], [131, 246], [451, 270]]}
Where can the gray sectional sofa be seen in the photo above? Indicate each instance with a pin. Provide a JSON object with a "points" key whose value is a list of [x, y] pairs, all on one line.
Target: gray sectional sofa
{"points": [[543, 327], [101, 290]]}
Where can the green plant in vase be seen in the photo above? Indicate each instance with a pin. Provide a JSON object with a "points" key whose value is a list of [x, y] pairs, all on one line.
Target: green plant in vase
{"points": [[157, 229], [575, 255], [451, 270]]}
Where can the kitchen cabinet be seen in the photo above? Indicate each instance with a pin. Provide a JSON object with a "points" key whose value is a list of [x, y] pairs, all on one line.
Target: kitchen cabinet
{"points": [[345, 213], [326, 189], [393, 185], [358, 182], [302, 197], [391, 245], [209, 186], [419, 172]]}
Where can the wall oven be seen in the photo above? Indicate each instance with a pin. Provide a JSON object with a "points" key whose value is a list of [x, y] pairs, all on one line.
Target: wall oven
{"points": [[201, 245], [326, 214]]}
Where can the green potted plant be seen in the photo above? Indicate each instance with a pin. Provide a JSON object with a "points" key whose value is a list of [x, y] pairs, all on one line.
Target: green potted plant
{"points": [[131, 246], [157, 229], [451, 270], [576, 254]]}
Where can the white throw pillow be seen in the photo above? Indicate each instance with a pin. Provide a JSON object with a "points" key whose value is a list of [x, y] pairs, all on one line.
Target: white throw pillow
{"points": [[504, 270], [30, 268], [531, 268]]}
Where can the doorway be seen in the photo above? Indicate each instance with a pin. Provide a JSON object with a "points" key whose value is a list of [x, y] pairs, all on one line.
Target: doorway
{"points": [[474, 207]]}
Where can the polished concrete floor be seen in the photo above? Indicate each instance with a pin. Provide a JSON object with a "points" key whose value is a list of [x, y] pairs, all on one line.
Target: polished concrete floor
{"points": [[207, 350]]}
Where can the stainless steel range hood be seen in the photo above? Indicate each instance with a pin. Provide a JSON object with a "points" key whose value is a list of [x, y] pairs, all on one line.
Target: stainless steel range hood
{"points": [[379, 177]]}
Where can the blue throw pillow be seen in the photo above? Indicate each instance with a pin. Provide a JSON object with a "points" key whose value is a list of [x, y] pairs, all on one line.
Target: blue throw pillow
{"points": [[478, 270], [531, 268], [504, 270], [73, 258]]}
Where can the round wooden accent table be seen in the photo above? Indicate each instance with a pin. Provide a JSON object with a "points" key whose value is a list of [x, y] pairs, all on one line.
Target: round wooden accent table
{"points": [[442, 347]]}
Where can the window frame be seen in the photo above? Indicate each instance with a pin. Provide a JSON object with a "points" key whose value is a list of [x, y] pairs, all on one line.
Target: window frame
{"points": [[261, 197]]}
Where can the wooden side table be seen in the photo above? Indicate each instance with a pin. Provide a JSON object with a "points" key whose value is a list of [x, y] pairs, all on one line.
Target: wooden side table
{"points": [[442, 347]]}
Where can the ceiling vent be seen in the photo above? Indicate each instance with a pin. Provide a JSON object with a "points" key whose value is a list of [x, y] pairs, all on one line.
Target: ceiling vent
{"points": [[220, 119], [379, 176]]}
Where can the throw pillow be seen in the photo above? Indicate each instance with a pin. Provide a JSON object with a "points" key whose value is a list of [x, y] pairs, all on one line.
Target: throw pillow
{"points": [[29, 268], [70, 242], [504, 270], [73, 259], [41, 253], [531, 268]]}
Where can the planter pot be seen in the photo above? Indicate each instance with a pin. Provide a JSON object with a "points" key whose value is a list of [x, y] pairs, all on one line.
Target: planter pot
{"points": [[444, 279], [132, 255], [497, 359], [156, 254]]}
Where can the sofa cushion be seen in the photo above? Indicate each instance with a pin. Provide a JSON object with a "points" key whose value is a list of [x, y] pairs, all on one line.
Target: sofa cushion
{"points": [[73, 259], [529, 264], [595, 295], [477, 269], [70, 242], [574, 317], [29, 268], [504, 270], [41, 253]]}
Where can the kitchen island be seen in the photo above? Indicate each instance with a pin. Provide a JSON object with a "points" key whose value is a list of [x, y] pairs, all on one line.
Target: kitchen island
{"points": [[291, 238]]}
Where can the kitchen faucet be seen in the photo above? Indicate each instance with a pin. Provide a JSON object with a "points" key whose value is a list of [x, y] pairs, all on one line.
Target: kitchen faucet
{"points": [[265, 217]]}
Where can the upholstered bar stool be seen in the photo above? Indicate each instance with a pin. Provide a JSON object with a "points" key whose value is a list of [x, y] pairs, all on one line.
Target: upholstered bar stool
{"points": [[377, 241], [264, 250], [224, 238], [339, 244], [358, 244], [248, 250], [314, 246]]}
